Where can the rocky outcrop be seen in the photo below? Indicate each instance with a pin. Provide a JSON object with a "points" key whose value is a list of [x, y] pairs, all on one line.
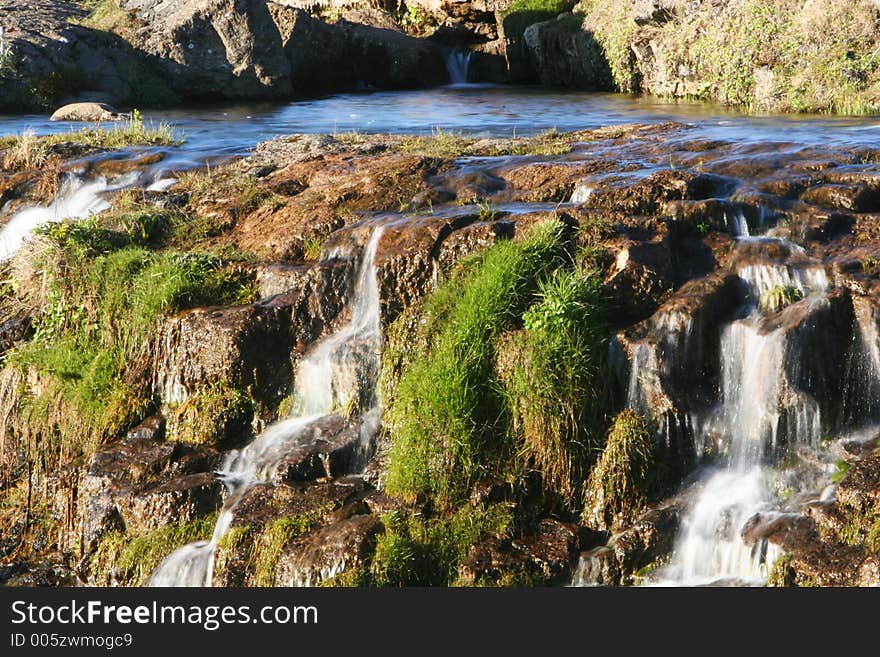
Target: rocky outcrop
{"points": [[707, 50], [160, 51]]}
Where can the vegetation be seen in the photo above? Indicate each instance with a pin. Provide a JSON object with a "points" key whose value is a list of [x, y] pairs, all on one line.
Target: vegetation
{"points": [[762, 54], [777, 298], [440, 144], [215, 415], [623, 481], [97, 301], [415, 552], [129, 560], [28, 151], [447, 414], [552, 374]]}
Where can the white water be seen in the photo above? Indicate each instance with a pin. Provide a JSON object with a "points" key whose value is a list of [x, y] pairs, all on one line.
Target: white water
{"points": [[755, 408], [457, 64], [76, 199], [339, 371]]}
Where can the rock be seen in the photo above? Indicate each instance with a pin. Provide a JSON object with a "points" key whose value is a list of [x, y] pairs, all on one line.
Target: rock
{"points": [[249, 347], [654, 12], [55, 58], [93, 112], [141, 482], [649, 540], [332, 448], [329, 551], [642, 275], [564, 55], [13, 331], [153, 428], [542, 558], [857, 198], [179, 500]]}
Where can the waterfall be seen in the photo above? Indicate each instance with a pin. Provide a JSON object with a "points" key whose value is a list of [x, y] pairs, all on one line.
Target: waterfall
{"points": [[759, 414], [76, 199], [341, 371], [457, 64]]}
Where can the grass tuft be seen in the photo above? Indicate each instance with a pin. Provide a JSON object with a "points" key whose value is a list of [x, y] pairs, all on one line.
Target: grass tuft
{"points": [[446, 416]]}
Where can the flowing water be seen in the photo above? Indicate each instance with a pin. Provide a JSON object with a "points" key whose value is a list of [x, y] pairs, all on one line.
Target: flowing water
{"points": [[457, 63], [341, 369], [758, 415]]}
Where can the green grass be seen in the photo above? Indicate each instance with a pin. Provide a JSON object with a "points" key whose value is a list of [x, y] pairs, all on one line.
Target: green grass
{"points": [[555, 377], [414, 552], [446, 416], [28, 151], [777, 298], [133, 558], [440, 144], [622, 482], [99, 302]]}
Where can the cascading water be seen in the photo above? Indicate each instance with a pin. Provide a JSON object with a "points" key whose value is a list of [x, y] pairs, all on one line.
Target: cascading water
{"points": [[76, 199], [458, 65], [340, 371], [757, 416]]}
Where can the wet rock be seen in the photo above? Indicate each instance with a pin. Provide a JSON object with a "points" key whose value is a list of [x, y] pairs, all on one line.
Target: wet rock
{"points": [[13, 331], [248, 347], [52, 571], [650, 538], [93, 112], [674, 355], [140, 482], [181, 499], [329, 551], [647, 195], [641, 276], [857, 198], [332, 448], [153, 428], [542, 558]]}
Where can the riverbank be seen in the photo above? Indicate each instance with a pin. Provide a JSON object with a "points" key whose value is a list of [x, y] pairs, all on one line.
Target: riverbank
{"points": [[760, 56], [527, 290]]}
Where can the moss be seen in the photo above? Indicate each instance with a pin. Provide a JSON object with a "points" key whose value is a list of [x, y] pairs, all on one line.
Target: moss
{"points": [[549, 142], [763, 54], [777, 298], [440, 144], [615, 31], [784, 573], [128, 560], [274, 538], [446, 416], [554, 375], [621, 484], [415, 552], [218, 415]]}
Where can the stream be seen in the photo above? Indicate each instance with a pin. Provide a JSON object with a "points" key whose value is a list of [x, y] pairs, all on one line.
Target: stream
{"points": [[764, 413]]}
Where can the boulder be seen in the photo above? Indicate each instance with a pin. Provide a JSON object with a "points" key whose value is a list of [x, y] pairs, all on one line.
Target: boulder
{"points": [[540, 558], [567, 56], [329, 551], [93, 112]]}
